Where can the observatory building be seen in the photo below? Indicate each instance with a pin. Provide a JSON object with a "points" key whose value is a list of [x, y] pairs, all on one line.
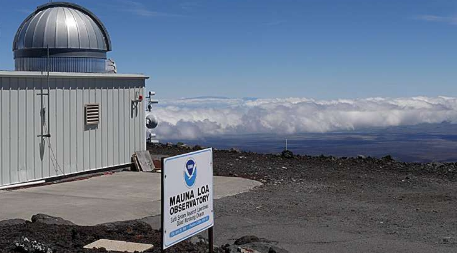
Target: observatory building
{"points": [[65, 110]]}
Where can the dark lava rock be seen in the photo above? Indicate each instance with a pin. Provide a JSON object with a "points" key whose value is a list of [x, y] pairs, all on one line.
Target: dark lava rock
{"points": [[234, 150], [47, 219], [388, 158], [247, 239], [130, 223], [198, 239], [226, 248], [12, 222], [259, 246], [50, 238], [287, 154], [197, 147], [27, 245]]}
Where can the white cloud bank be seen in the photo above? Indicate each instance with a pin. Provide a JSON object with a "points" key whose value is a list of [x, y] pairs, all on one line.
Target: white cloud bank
{"points": [[204, 117], [442, 19]]}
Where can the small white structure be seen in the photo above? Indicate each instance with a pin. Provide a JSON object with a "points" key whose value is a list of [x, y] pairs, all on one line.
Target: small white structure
{"points": [[61, 123], [151, 120]]}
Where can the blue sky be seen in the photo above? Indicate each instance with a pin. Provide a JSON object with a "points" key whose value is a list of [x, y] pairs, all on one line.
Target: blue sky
{"points": [[318, 49]]}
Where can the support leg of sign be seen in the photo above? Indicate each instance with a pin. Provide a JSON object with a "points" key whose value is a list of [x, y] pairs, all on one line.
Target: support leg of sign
{"points": [[211, 239]]}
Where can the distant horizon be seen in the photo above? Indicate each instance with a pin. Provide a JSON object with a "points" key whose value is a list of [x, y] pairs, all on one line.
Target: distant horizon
{"points": [[426, 142], [296, 97]]}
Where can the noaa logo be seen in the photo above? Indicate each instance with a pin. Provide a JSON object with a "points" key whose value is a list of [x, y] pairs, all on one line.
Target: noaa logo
{"points": [[190, 172]]}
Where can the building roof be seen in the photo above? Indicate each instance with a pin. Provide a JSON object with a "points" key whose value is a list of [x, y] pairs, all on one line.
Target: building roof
{"points": [[69, 75], [62, 25]]}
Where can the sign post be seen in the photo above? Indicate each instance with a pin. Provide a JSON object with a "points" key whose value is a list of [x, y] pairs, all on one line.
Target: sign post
{"points": [[187, 197]]}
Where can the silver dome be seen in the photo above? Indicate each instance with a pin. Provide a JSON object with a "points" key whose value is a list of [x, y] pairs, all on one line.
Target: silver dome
{"points": [[69, 31]]}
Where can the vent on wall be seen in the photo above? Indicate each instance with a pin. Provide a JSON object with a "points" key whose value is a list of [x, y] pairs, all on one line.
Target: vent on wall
{"points": [[92, 114]]}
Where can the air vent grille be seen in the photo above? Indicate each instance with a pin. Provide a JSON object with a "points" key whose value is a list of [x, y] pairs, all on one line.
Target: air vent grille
{"points": [[92, 114]]}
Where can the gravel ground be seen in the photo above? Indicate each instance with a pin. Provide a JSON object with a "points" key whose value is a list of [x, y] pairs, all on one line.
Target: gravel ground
{"points": [[42, 237], [329, 204], [306, 204]]}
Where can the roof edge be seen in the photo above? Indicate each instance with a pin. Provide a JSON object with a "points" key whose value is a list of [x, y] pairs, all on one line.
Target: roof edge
{"points": [[36, 74]]}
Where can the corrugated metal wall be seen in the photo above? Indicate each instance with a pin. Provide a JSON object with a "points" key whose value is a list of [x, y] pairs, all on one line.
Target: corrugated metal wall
{"points": [[73, 147]]}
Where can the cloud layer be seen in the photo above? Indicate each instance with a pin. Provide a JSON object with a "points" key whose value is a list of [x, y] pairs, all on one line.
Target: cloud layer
{"points": [[442, 19], [186, 119], [139, 9]]}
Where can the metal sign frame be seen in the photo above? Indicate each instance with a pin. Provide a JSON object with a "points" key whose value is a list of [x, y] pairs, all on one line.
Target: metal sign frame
{"points": [[162, 204]]}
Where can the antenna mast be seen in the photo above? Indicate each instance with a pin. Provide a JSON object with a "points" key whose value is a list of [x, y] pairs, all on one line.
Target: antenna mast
{"points": [[49, 93]]}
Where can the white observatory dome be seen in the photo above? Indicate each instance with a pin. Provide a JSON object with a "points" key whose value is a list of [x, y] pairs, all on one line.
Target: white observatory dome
{"points": [[77, 40]]}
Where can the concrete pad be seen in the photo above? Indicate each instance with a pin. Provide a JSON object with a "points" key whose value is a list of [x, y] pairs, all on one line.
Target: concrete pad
{"points": [[120, 246], [117, 197]]}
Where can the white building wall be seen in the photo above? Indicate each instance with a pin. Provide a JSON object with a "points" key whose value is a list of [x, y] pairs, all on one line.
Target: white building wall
{"points": [[73, 147]]}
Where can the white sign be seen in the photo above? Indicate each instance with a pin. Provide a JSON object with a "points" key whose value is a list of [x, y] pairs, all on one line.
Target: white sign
{"points": [[187, 196]]}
